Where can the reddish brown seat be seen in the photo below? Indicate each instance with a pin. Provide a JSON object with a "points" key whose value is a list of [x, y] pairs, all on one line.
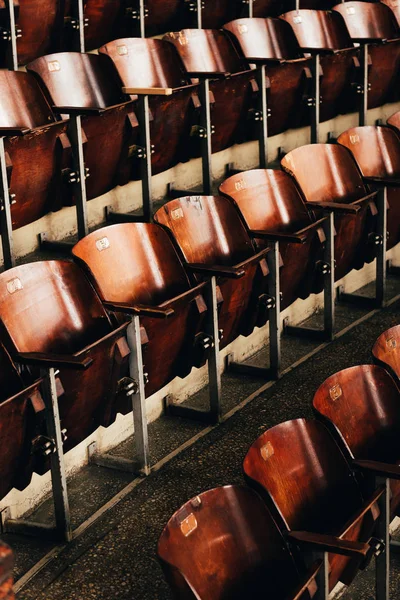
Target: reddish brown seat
{"points": [[86, 84], [103, 19], [269, 8], [139, 267], [21, 418], [161, 16], [325, 33], [6, 568], [271, 205], [309, 486], [377, 153], [375, 23], [272, 42], [386, 350], [209, 53], [327, 175], [213, 241], [224, 544], [52, 317], [37, 146], [215, 14], [40, 22], [394, 6], [144, 63], [361, 404]]}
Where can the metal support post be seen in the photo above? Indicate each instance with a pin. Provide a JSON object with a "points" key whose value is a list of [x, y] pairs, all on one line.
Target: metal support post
{"points": [[78, 24], [5, 213], [11, 37], [79, 177], [262, 117], [382, 561], [273, 371], [213, 415], [322, 579], [205, 136], [62, 529], [199, 8], [362, 88], [314, 102]]}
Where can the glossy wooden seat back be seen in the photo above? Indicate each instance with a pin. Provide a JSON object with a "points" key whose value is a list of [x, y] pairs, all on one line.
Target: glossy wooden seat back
{"points": [[134, 263], [224, 544], [215, 14], [206, 51], [362, 402], [103, 17], [207, 229], [270, 38], [267, 199], [319, 29], [6, 569], [50, 306], [368, 20], [73, 79], [145, 62], [325, 173], [386, 350], [22, 103], [395, 8], [375, 149], [308, 484], [41, 23]]}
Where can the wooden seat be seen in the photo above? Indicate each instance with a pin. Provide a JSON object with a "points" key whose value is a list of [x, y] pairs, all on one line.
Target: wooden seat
{"points": [[271, 205], [213, 241], [377, 153], [272, 42], [6, 568], [21, 420], [86, 84], [140, 267], [386, 350], [210, 54], [37, 148], [393, 5], [161, 16], [40, 23], [374, 23], [361, 405], [327, 175], [224, 544], [52, 317], [145, 64], [215, 14], [325, 33], [103, 21], [309, 487]]}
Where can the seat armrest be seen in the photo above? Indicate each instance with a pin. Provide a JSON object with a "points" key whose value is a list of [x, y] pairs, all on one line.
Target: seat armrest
{"points": [[369, 199], [148, 91], [188, 295], [12, 131], [275, 236], [47, 360], [313, 226], [255, 258], [139, 309], [389, 182], [336, 207], [77, 110], [208, 75], [216, 270], [329, 543], [369, 504], [378, 468], [306, 581]]}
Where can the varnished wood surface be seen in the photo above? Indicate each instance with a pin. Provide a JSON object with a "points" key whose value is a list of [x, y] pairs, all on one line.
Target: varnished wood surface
{"points": [[318, 29], [224, 544], [369, 20], [386, 350]]}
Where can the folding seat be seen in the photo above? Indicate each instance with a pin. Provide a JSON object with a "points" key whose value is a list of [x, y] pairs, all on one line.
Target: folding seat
{"points": [[210, 56], [386, 350], [215, 14], [21, 416], [324, 35], [159, 17], [39, 27], [360, 405], [84, 85], [34, 148], [273, 210], [138, 272], [225, 544], [329, 180], [271, 42], [152, 70], [377, 153], [102, 19], [374, 26], [6, 568], [314, 497], [213, 241], [393, 5]]}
